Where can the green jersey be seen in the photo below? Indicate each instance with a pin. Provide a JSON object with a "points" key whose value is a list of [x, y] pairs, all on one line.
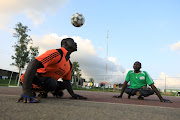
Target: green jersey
{"points": [[138, 80]]}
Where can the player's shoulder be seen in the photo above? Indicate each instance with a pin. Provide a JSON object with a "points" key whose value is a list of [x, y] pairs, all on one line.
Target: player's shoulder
{"points": [[144, 72], [131, 71], [52, 51]]}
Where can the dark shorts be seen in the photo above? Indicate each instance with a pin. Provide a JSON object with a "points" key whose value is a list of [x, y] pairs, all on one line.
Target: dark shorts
{"points": [[46, 83], [143, 92]]}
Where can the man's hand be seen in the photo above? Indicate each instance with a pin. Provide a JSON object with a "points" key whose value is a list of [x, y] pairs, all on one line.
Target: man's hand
{"points": [[57, 94], [27, 99], [165, 100], [76, 96], [117, 96]]}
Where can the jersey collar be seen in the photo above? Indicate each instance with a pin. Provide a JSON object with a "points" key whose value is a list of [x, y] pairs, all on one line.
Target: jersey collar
{"points": [[65, 53], [137, 73]]}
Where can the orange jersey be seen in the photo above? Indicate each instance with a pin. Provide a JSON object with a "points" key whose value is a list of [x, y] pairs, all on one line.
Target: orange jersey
{"points": [[54, 66]]}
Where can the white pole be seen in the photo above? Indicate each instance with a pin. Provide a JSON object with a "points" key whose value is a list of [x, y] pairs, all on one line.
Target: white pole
{"points": [[19, 77], [106, 55], [165, 86], [10, 78], [123, 75]]}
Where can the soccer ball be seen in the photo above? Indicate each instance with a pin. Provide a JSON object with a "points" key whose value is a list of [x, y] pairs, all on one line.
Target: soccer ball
{"points": [[77, 20]]}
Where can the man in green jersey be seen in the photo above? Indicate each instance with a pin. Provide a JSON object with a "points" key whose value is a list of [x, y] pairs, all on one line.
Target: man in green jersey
{"points": [[138, 84]]}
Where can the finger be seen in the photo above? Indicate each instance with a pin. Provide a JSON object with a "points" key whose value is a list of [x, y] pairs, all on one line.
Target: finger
{"points": [[28, 100], [25, 100], [168, 101], [34, 100], [20, 99], [116, 96], [81, 97], [73, 97]]}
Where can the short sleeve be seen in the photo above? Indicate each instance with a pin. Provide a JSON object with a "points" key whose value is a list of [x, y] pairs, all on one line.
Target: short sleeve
{"points": [[67, 76], [49, 57], [128, 77], [149, 80]]}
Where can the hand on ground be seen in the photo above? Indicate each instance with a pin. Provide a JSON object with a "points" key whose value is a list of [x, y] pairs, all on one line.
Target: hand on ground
{"points": [[166, 100], [27, 99], [117, 96], [76, 96]]}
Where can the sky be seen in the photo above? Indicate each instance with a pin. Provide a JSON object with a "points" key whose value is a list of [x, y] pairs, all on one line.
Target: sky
{"points": [[139, 30]]}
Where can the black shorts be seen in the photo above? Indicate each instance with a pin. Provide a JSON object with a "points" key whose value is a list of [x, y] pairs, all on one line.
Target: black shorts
{"points": [[143, 92], [46, 83]]}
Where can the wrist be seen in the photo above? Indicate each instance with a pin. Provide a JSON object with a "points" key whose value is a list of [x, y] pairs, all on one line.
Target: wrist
{"points": [[162, 100], [73, 94], [27, 93]]}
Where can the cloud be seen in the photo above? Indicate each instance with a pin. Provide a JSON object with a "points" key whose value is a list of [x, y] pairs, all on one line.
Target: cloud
{"points": [[171, 82], [175, 46], [91, 64], [34, 10]]}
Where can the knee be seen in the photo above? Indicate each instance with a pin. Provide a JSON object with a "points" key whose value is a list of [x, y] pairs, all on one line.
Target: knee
{"points": [[52, 84], [146, 92], [131, 91], [151, 92], [127, 90]]}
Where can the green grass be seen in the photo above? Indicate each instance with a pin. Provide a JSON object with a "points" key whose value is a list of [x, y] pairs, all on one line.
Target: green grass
{"points": [[99, 89], [6, 82]]}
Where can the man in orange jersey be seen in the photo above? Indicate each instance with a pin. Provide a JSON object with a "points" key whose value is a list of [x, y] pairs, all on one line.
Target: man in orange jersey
{"points": [[44, 71]]}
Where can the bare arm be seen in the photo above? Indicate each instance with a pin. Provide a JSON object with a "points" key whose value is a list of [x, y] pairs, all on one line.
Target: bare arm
{"points": [[157, 92], [29, 76], [70, 90], [123, 88], [69, 87]]}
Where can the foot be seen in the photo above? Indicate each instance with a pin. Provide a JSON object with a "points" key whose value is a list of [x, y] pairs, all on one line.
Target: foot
{"points": [[57, 94], [141, 98], [129, 96], [117, 96], [34, 94], [43, 95]]}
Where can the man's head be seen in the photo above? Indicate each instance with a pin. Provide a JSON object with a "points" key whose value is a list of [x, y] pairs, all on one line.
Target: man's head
{"points": [[69, 44], [137, 66]]}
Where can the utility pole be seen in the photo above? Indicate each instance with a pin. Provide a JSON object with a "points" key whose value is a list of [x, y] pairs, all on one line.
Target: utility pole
{"points": [[10, 79], [106, 55], [19, 77], [165, 86], [123, 75]]}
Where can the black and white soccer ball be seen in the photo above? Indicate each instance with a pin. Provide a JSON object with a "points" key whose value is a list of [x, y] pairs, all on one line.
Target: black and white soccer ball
{"points": [[77, 20]]}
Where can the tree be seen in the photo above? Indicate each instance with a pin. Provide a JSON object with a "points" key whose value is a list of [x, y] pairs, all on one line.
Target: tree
{"points": [[76, 69], [23, 54], [76, 72], [91, 80], [34, 51]]}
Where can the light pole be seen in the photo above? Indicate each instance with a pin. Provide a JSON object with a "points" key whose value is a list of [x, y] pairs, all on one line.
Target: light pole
{"points": [[123, 75], [19, 77], [10, 78], [106, 55], [165, 86]]}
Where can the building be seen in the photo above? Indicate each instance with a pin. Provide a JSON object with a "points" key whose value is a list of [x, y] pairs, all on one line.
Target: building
{"points": [[6, 74]]}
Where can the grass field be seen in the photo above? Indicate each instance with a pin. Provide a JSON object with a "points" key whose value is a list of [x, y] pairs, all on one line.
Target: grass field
{"points": [[99, 89], [6, 82]]}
